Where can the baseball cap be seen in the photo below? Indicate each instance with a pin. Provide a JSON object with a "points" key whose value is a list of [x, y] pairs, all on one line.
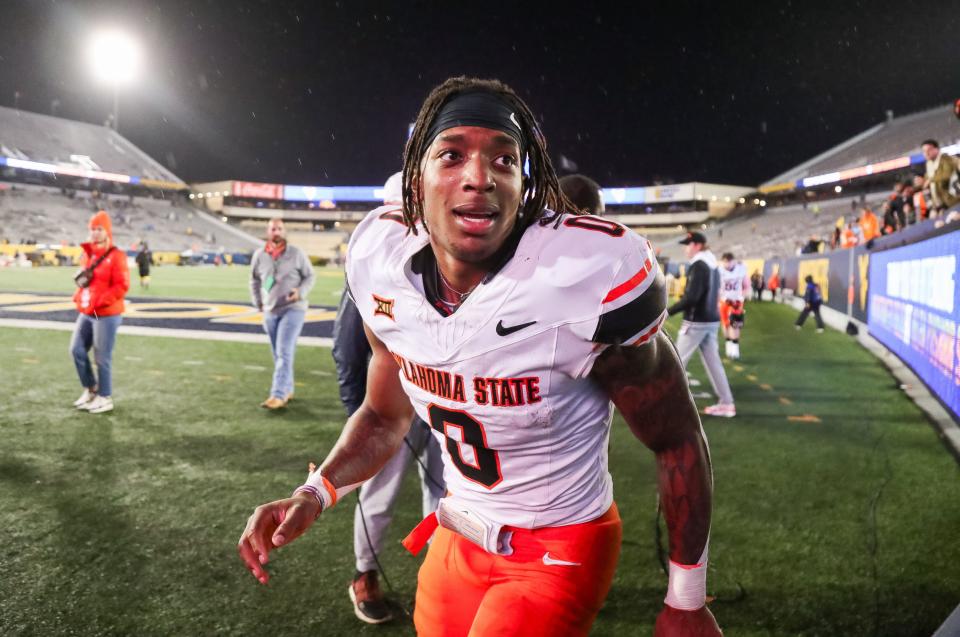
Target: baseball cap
{"points": [[693, 237]]}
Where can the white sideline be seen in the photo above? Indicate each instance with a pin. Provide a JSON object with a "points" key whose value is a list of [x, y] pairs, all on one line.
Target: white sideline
{"points": [[200, 335]]}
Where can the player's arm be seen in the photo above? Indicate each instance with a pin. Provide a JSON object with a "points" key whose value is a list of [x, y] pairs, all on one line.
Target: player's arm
{"points": [[371, 436], [376, 430], [648, 385]]}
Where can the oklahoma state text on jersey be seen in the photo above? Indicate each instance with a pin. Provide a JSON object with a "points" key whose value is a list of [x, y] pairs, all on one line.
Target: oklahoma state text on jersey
{"points": [[504, 380]]}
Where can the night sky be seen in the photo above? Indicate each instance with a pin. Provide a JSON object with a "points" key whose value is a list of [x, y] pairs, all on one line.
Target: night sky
{"points": [[322, 92]]}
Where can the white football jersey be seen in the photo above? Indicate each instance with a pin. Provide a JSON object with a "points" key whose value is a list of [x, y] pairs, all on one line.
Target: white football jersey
{"points": [[503, 381], [731, 282]]}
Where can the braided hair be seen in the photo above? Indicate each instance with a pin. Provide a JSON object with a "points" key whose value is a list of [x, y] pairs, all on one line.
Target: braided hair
{"points": [[541, 189]]}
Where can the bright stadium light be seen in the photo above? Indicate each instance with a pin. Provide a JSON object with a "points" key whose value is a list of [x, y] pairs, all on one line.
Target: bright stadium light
{"points": [[115, 59]]}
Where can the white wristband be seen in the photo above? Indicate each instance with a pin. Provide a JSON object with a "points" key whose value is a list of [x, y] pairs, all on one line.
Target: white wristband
{"points": [[687, 588], [329, 495]]}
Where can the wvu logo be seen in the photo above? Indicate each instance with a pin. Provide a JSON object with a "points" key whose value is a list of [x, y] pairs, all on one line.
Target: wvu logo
{"points": [[384, 307]]}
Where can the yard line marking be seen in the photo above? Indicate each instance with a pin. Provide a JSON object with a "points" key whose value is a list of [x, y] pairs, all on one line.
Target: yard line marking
{"points": [[156, 372], [299, 384], [320, 372], [255, 368], [139, 330], [22, 349], [193, 362], [32, 361], [784, 400], [766, 387], [803, 418], [133, 358], [222, 378], [703, 394]]}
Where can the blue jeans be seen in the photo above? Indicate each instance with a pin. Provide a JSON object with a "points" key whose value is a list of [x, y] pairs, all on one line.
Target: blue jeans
{"points": [[100, 334], [283, 330]]}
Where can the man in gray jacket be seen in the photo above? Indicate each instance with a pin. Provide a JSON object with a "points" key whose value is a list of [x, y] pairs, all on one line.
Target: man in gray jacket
{"points": [[280, 280], [701, 320]]}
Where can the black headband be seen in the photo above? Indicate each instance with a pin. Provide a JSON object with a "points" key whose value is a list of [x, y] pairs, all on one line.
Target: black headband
{"points": [[477, 108]]}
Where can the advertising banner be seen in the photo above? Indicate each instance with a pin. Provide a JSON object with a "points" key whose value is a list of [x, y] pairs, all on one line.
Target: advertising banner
{"points": [[914, 309], [257, 190], [307, 193]]}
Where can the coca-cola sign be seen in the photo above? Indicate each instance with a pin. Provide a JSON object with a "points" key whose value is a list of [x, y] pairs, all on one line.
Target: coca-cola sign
{"points": [[257, 191]]}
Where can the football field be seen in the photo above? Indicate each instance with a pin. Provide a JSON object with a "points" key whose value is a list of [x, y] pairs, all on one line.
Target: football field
{"points": [[203, 283], [836, 507]]}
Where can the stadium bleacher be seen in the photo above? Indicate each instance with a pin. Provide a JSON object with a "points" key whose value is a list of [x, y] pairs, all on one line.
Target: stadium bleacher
{"points": [[48, 216], [42, 138], [776, 231], [897, 137]]}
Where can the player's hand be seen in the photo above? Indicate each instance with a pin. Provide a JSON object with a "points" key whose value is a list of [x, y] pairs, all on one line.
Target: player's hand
{"points": [[293, 296], [686, 623], [273, 525]]}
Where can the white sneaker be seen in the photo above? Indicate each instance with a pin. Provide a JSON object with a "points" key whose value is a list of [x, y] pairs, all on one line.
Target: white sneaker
{"points": [[85, 398], [99, 405], [721, 410]]}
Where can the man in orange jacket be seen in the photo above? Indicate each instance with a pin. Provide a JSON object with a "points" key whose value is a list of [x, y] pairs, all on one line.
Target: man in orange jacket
{"points": [[102, 283], [869, 224]]}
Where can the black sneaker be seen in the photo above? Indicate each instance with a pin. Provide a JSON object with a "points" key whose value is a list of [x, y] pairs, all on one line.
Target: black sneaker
{"points": [[368, 603]]}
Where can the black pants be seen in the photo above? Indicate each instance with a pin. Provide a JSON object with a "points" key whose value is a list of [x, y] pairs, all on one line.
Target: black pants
{"points": [[806, 312]]}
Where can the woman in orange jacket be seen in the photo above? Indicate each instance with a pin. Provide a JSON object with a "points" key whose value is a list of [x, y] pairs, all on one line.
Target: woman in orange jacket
{"points": [[102, 283]]}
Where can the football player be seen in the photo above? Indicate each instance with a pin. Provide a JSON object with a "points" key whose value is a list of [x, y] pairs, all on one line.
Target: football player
{"points": [[510, 325], [734, 287]]}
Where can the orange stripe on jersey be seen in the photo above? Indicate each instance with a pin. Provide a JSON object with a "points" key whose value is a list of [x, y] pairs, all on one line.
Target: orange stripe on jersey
{"points": [[630, 283]]}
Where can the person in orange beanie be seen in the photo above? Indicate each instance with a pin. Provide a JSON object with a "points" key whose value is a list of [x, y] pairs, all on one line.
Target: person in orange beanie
{"points": [[102, 282]]}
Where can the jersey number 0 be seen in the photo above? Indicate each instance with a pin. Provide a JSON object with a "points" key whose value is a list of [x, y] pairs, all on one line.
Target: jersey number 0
{"points": [[485, 469]]}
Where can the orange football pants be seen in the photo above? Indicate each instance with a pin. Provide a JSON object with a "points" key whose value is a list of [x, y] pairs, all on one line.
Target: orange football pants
{"points": [[463, 591], [727, 308]]}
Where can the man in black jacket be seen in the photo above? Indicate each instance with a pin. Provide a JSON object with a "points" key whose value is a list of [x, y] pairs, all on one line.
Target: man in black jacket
{"points": [[701, 320]]}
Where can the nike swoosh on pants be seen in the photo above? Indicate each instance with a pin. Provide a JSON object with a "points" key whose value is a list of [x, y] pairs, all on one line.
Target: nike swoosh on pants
{"points": [[549, 561]]}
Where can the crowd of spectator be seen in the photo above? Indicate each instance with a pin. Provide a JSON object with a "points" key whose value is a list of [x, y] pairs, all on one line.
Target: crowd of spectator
{"points": [[932, 195]]}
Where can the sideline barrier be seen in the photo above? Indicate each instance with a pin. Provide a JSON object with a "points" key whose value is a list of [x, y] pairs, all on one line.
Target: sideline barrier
{"points": [[906, 289], [915, 311]]}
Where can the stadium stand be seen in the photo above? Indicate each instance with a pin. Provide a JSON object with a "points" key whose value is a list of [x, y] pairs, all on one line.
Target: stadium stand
{"points": [[42, 138], [42, 215], [324, 245], [793, 215], [776, 231], [896, 137]]}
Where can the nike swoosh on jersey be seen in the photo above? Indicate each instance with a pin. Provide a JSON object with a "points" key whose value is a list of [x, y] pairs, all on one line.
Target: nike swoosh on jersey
{"points": [[549, 561], [502, 330]]}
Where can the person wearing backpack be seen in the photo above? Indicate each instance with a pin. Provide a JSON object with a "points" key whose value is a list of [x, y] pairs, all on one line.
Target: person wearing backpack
{"points": [[102, 282], [812, 301]]}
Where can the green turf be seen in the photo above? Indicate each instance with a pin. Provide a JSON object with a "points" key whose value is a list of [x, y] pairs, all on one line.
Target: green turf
{"points": [[126, 523], [205, 283]]}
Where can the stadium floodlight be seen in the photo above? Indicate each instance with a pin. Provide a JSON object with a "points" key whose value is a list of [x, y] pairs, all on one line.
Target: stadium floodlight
{"points": [[115, 59]]}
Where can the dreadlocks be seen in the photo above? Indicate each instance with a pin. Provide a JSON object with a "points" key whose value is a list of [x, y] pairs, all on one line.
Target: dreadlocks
{"points": [[541, 188]]}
